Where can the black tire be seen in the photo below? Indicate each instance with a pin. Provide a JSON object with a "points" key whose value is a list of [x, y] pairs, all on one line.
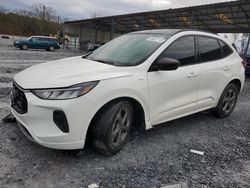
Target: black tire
{"points": [[52, 48], [24, 47], [227, 101], [112, 127]]}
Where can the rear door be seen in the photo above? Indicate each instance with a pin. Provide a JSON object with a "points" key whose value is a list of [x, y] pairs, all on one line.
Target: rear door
{"points": [[174, 93], [43, 43], [215, 70]]}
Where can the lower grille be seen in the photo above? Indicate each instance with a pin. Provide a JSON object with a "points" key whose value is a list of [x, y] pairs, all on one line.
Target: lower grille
{"points": [[18, 100]]}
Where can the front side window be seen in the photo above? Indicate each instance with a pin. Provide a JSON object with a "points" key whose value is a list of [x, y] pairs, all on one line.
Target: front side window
{"points": [[183, 49], [209, 49], [128, 50], [34, 39]]}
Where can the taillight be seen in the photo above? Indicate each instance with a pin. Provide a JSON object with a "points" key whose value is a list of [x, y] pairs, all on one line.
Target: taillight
{"points": [[244, 63]]}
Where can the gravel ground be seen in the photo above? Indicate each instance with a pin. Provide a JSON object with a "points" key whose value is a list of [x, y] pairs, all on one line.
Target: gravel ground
{"points": [[160, 156]]}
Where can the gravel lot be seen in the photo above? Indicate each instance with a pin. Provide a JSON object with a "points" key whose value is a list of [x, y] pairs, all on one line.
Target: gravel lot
{"points": [[160, 156]]}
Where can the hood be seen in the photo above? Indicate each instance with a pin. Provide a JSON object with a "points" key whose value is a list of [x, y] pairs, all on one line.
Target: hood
{"points": [[68, 72]]}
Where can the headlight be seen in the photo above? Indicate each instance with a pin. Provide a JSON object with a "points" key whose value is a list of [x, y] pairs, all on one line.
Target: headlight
{"points": [[65, 93]]}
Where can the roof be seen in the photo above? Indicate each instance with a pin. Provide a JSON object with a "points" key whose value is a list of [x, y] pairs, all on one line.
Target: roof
{"points": [[159, 31], [170, 31], [226, 17], [44, 37]]}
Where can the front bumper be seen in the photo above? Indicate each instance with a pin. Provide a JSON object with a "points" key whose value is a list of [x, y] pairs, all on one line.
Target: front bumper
{"points": [[38, 124], [16, 45]]}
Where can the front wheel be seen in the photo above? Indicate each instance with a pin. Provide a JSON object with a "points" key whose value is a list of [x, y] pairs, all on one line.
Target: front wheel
{"points": [[112, 127], [24, 47], [227, 101]]}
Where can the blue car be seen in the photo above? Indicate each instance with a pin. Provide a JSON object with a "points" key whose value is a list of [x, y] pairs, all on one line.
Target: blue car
{"points": [[247, 66], [38, 42]]}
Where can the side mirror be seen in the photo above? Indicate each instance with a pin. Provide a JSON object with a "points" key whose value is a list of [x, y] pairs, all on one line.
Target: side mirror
{"points": [[166, 64]]}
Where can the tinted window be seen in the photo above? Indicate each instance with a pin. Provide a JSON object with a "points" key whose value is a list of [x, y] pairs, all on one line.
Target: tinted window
{"points": [[51, 39], [47, 39], [226, 50], [182, 49], [43, 39], [209, 49], [34, 39]]}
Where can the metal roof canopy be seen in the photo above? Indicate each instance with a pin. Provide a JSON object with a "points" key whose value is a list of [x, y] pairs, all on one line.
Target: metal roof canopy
{"points": [[227, 17]]}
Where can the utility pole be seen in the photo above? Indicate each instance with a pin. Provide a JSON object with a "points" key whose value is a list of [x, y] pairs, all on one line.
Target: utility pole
{"points": [[58, 21], [43, 30], [58, 29]]}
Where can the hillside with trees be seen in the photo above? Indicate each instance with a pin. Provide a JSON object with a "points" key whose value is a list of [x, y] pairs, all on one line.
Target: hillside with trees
{"points": [[39, 20]]}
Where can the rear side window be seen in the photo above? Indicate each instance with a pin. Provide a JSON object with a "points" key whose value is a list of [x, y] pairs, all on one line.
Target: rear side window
{"points": [[226, 50], [183, 49], [52, 40], [209, 49], [43, 39], [47, 39]]}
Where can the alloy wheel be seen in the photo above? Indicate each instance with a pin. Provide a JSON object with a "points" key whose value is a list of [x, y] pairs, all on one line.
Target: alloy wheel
{"points": [[121, 126], [229, 101]]}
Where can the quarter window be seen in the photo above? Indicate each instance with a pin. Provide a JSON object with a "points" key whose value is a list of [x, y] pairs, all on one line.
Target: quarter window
{"points": [[225, 49], [183, 49], [209, 49]]}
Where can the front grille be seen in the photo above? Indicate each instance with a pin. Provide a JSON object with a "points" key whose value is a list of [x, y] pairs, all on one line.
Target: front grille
{"points": [[18, 100]]}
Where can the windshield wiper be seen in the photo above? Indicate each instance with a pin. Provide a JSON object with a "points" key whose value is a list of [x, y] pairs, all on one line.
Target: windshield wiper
{"points": [[102, 61], [98, 60], [87, 54]]}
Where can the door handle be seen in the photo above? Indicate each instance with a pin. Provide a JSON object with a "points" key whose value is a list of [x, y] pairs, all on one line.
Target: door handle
{"points": [[227, 68], [192, 75]]}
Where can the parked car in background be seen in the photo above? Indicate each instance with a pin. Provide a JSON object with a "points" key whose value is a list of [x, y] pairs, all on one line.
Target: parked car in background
{"points": [[247, 66], [38, 42], [135, 81], [94, 46]]}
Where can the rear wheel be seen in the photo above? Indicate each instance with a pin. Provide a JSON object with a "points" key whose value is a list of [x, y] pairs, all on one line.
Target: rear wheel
{"points": [[112, 127], [51, 48], [24, 47], [227, 101]]}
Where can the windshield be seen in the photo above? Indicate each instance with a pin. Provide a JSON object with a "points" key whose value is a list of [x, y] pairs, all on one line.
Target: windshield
{"points": [[128, 50], [29, 38]]}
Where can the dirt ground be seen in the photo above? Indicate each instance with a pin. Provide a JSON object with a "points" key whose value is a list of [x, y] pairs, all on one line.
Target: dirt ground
{"points": [[160, 156]]}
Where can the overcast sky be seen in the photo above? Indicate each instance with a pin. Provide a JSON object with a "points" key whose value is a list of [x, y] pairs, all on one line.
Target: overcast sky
{"points": [[80, 9]]}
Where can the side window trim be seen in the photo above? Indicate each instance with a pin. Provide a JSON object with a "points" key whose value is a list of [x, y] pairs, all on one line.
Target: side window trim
{"points": [[222, 53]]}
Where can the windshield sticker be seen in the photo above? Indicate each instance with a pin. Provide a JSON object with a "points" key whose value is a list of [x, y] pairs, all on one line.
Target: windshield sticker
{"points": [[156, 39]]}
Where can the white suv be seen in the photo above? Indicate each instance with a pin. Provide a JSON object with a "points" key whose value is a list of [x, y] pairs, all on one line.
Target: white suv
{"points": [[136, 81]]}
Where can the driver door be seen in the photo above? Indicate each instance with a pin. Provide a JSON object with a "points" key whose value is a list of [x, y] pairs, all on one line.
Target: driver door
{"points": [[34, 43], [173, 94]]}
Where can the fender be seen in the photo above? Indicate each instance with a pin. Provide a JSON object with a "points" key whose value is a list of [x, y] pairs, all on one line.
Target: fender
{"points": [[227, 82], [121, 93]]}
